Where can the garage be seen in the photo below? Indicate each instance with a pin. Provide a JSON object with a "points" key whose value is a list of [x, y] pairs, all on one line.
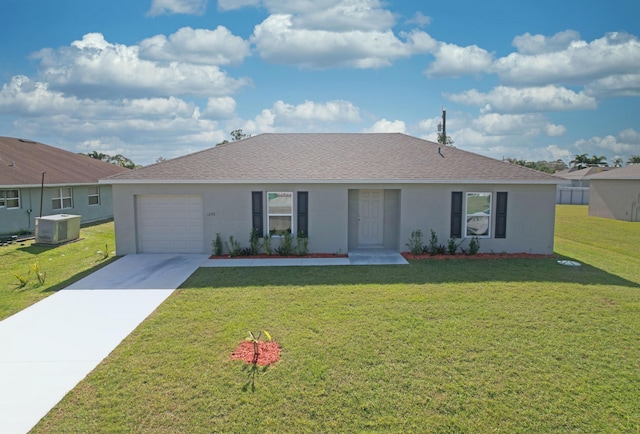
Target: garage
{"points": [[170, 224]]}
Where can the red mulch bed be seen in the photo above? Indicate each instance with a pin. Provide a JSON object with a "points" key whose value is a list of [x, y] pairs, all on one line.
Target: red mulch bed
{"points": [[411, 256], [265, 256], [268, 353]]}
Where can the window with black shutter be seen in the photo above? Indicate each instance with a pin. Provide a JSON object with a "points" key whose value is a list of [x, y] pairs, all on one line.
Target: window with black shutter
{"points": [[257, 213]]}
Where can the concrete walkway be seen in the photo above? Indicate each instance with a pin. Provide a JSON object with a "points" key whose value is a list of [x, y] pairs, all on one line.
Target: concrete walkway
{"points": [[48, 348]]}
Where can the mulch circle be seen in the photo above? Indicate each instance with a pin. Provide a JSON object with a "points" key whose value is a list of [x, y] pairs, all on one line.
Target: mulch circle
{"points": [[268, 353]]}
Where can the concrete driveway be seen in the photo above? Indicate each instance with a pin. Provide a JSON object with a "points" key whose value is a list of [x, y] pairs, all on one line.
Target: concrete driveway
{"points": [[48, 348]]}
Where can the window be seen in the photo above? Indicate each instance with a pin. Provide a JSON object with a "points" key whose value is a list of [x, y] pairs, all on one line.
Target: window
{"points": [[94, 195], [280, 212], [9, 199], [478, 215], [62, 198]]}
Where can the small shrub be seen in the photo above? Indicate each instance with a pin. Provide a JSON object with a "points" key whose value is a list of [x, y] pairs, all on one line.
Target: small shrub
{"points": [[452, 246], [22, 280], [474, 246], [40, 275], [254, 242], [286, 245], [233, 246], [415, 242], [441, 249], [266, 244], [432, 248], [217, 245], [246, 251], [302, 244]]}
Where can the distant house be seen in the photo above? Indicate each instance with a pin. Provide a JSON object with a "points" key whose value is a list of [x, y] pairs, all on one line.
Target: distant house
{"points": [[343, 191], [616, 194], [574, 190], [70, 184]]}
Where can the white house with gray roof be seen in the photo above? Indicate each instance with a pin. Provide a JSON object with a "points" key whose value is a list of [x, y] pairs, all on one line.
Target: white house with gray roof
{"points": [[343, 191]]}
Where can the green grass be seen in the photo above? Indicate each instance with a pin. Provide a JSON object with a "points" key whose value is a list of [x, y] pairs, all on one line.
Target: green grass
{"points": [[465, 345], [63, 265]]}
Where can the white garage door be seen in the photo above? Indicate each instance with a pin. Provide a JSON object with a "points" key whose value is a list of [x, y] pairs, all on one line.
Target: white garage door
{"points": [[170, 224]]}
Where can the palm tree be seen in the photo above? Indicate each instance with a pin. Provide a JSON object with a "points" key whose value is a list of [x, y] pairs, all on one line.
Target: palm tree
{"points": [[580, 161], [617, 162], [597, 161], [634, 159]]}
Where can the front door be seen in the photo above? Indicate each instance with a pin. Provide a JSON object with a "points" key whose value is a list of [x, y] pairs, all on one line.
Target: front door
{"points": [[370, 218]]}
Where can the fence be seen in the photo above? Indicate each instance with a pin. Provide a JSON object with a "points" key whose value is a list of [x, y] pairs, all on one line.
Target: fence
{"points": [[572, 195]]}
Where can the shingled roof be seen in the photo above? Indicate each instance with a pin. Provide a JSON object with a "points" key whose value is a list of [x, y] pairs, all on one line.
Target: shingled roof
{"points": [[631, 171], [338, 158], [23, 161]]}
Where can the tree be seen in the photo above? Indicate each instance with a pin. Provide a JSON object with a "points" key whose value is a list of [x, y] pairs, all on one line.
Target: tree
{"points": [[160, 159], [617, 162], [235, 136], [597, 161], [238, 135], [97, 155], [445, 140], [118, 159], [580, 161], [634, 159]]}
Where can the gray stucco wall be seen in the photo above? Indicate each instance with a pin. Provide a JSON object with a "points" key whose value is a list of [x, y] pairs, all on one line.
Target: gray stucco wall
{"points": [[20, 219], [615, 198], [332, 207]]}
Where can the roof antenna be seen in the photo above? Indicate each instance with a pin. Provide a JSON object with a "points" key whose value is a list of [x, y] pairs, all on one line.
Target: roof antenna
{"points": [[440, 152]]}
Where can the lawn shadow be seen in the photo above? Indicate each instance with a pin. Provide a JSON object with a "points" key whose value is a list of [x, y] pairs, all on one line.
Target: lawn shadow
{"points": [[429, 271], [252, 371]]}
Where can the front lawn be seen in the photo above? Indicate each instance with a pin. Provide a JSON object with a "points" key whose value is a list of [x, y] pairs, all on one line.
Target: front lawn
{"points": [[505, 345], [62, 264]]}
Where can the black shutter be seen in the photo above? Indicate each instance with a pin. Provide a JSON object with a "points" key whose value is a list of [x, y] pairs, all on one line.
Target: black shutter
{"points": [[501, 214], [456, 214], [256, 212], [303, 213]]}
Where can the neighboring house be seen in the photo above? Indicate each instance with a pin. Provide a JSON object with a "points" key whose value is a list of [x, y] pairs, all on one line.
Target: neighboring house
{"points": [[616, 194], [345, 191], [70, 184], [574, 190]]}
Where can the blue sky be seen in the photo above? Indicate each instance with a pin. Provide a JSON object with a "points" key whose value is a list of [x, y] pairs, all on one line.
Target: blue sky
{"points": [[540, 80]]}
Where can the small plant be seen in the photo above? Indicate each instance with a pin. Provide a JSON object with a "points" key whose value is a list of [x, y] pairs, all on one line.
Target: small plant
{"points": [[266, 244], [452, 246], [233, 246], [432, 247], [104, 254], [22, 280], [254, 242], [217, 245], [415, 242], [286, 245], [40, 275], [441, 249], [245, 251], [302, 244], [256, 342], [474, 246]]}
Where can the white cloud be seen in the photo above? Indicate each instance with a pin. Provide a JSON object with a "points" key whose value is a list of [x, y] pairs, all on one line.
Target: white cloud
{"points": [[452, 61], [580, 62], [307, 116], [494, 124], [227, 5], [191, 7], [95, 67], [199, 46], [385, 126], [537, 44], [220, 108], [614, 86], [506, 99], [420, 19], [627, 143], [22, 96], [279, 41]]}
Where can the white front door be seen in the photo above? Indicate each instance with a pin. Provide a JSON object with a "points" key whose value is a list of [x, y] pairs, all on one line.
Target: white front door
{"points": [[370, 218]]}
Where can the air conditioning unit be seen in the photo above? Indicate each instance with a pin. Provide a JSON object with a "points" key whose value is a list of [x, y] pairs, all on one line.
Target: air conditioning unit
{"points": [[57, 229]]}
